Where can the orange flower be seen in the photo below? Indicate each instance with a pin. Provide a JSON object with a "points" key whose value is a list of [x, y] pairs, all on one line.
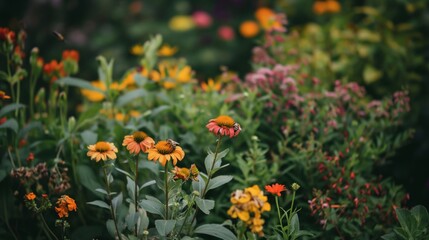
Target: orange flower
{"points": [[65, 204], [249, 29], [268, 19], [275, 189], [102, 151], [328, 6], [319, 7], [167, 50], [166, 150], [224, 126], [71, 54], [54, 70], [332, 6], [137, 142], [30, 196], [181, 173], [3, 95]]}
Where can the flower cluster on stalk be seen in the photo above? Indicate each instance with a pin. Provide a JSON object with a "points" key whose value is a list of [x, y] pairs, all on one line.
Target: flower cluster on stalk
{"points": [[248, 206]]}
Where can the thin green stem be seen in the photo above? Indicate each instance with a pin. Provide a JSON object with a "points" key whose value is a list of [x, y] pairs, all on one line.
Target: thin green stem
{"points": [[166, 190], [290, 215], [112, 211], [279, 216], [187, 214], [136, 193], [208, 178], [47, 229]]}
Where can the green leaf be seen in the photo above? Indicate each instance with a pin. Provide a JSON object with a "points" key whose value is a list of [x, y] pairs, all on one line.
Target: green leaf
{"points": [[130, 96], [208, 162], [294, 225], [131, 188], [87, 178], [205, 205], [117, 202], [77, 82], [11, 124], [219, 181], [390, 236], [153, 205], [151, 182], [100, 190], [3, 174], [89, 137], [99, 203], [9, 108], [27, 128], [110, 225], [199, 185], [216, 230], [421, 215], [407, 221], [164, 227], [123, 172]]}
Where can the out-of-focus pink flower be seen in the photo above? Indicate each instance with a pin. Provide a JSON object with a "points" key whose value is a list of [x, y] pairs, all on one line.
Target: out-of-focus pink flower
{"points": [[226, 33], [202, 19]]}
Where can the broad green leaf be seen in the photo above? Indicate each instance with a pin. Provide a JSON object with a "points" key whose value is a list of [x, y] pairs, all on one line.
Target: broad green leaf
{"points": [[100, 190], [3, 174], [390, 236], [205, 205], [294, 225], [11, 124], [76, 82], [420, 213], [9, 108], [131, 188], [110, 225], [87, 178], [407, 221], [153, 205], [144, 221], [199, 185], [123, 172], [219, 181], [151, 182], [27, 128], [164, 227], [88, 137], [117, 202], [130, 97], [99, 203], [216, 230]]}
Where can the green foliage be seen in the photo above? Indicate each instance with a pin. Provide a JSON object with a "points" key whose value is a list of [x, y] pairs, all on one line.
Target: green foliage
{"points": [[414, 224]]}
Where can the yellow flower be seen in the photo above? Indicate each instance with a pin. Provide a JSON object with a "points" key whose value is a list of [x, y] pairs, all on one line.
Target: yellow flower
{"points": [[65, 204], [248, 205], [137, 50], [168, 74], [211, 86], [181, 23], [166, 150], [102, 151], [167, 50], [137, 142], [94, 96], [181, 173], [249, 29]]}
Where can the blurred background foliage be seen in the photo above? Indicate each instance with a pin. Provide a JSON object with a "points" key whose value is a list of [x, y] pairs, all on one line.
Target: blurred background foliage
{"points": [[381, 44]]}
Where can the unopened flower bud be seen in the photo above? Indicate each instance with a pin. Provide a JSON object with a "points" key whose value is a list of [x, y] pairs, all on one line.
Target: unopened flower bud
{"points": [[295, 186]]}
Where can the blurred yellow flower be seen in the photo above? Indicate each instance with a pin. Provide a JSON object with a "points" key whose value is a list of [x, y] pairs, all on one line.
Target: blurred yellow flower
{"points": [[211, 86], [137, 49], [167, 51], [181, 23], [328, 6], [249, 29], [94, 96], [169, 74]]}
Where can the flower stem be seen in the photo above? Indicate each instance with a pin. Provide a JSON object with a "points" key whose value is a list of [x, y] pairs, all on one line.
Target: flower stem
{"points": [[208, 178], [280, 219], [112, 211], [290, 215], [46, 228], [166, 190], [210, 175], [136, 193]]}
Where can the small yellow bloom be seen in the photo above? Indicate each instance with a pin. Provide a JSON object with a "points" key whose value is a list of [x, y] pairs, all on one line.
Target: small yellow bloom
{"points": [[181, 23], [94, 96], [137, 50], [167, 51], [211, 86], [3, 95], [169, 74]]}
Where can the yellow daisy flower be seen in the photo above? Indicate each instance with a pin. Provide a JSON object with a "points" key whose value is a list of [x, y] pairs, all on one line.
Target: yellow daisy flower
{"points": [[166, 150]]}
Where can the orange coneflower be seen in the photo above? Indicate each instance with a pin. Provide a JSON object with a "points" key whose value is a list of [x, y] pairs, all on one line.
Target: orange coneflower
{"points": [[137, 142], [181, 173], [275, 189], [249, 29], [102, 151], [166, 150], [65, 204], [224, 126]]}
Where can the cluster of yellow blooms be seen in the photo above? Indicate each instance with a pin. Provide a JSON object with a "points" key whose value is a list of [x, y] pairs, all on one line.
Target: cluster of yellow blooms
{"points": [[248, 205]]}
